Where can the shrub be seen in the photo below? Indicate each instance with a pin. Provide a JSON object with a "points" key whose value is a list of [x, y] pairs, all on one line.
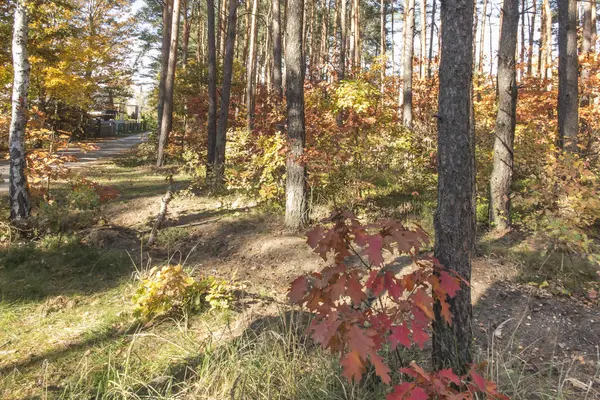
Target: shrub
{"points": [[171, 290]]}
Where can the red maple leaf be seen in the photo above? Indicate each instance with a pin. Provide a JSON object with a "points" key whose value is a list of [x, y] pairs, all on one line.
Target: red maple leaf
{"points": [[374, 250], [354, 289], [359, 341], [449, 283], [381, 368], [424, 302]]}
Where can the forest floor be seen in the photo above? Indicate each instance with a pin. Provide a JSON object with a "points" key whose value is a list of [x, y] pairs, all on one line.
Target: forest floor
{"points": [[66, 329]]}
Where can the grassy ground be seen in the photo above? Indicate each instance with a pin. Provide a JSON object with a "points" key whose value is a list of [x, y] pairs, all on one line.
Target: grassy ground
{"points": [[67, 329]]}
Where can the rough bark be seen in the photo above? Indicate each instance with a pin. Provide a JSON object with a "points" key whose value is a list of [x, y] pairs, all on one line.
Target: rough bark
{"points": [[502, 171], [276, 27], [212, 85], [430, 58], [187, 23], [295, 188], [323, 51], [586, 48], [357, 40], [167, 114], [164, 56], [409, 47], [455, 217], [522, 36], [18, 189], [352, 37], [546, 41], [219, 166], [568, 107], [423, 37], [251, 67]]}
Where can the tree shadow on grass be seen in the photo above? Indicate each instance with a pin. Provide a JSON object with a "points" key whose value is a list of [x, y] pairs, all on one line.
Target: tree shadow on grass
{"points": [[31, 273]]}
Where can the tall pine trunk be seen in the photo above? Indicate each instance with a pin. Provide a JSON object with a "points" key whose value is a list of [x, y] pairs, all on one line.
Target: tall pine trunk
{"points": [[222, 27], [167, 115], [167, 15], [251, 67], [212, 86], [531, 35], [382, 43], [430, 58], [502, 171], [482, 37], [295, 188], [455, 217], [18, 189], [568, 107], [219, 166], [409, 46], [588, 40], [276, 26], [423, 36]]}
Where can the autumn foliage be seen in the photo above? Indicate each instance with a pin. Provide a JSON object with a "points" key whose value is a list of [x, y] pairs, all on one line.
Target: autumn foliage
{"points": [[364, 306]]}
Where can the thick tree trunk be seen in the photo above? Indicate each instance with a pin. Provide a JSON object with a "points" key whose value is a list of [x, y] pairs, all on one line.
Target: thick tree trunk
{"points": [[455, 217], [522, 37], [212, 86], [352, 38], [167, 115], [324, 50], [277, 86], [430, 58], [568, 107], [531, 35], [409, 45], [164, 56], [586, 47], [296, 199], [18, 189], [251, 68], [219, 167], [423, 36], [482, 37], [501, 178]]}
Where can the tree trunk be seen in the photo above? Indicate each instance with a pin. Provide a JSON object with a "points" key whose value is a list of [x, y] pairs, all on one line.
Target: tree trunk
{"points": [[455, 217], [430, 58], [164, 56], [409, 43], [18, 189], [568, 118], [167, 115], [382, 43], [343, 32], [324, 51], [186, 33], [531, 35], [222, 27], [482, 38], [352, 38], [357, 41], [522, 52], [423, 36], [277, 87], [219, 167], [212, 86], [586, 48], [295, 205], [251, 68], [501, 178]]}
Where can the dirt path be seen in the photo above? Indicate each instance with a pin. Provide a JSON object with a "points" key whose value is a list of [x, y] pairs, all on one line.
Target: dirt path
{"points": [[107, 148]]}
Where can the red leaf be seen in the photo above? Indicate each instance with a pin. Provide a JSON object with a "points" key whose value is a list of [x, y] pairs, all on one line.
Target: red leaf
{"points": [[374, 250], [446, 311], [478, 380], [359, 341], [424, 302], [324, 330], [353, 366], [298, 290], [449, 375], [354, 289], [314, 236], [400, 391], [418, 394], [449, 283], [381, 369], [375, 283], [393, 286], [399, 335]]}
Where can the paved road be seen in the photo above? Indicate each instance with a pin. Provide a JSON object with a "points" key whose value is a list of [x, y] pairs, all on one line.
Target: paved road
{"points": [[107, 148]]}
